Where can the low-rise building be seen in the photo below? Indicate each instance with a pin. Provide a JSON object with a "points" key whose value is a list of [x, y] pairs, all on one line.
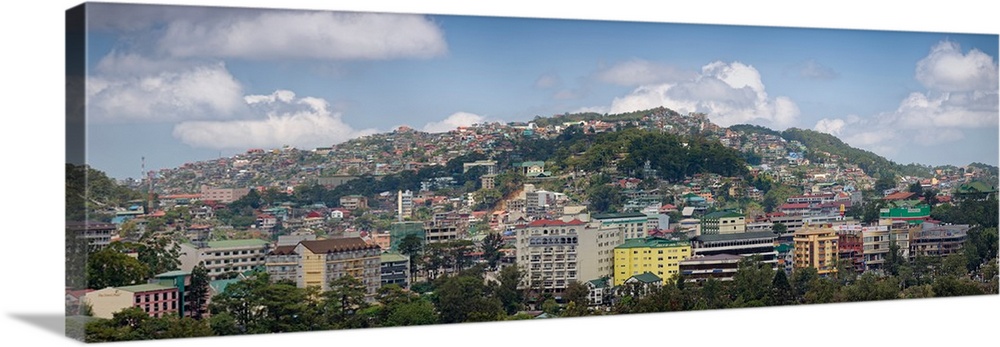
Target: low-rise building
{"points": [[760, 243], [155, 299], [395, 269], [723, 222], [354, 202], [938, 240]]}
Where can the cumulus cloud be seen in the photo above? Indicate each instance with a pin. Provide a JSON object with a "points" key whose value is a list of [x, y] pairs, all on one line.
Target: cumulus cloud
{"points": [[961, 96], [947, 69], [136, 93], [729, 93], [306, 34], [301, 122], [455, 120], [639, 72]]}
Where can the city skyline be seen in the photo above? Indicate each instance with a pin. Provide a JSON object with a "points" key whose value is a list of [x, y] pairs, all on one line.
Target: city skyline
{"points": [[194, 83]]}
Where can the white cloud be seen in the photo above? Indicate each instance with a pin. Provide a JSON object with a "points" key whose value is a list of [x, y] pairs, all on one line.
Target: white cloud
{"points": [[830, 126], [729, 93], [961, 96], [946, 69], [547, 81], [136, 93], [639, 72], [299, 122], [811, 69], [306, 34], [457, 119]]}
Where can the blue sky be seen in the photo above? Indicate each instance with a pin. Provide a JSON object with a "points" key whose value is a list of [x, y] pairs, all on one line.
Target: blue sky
{"points": [[181, 84]]}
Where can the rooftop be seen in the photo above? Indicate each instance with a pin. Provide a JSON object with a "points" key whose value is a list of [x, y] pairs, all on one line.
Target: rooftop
{"points": [[651, 242], [337, 245], [722, 214], [618, 215], [737, 236], [141, 288], [393, 257], [647, 277], [237, 243]]}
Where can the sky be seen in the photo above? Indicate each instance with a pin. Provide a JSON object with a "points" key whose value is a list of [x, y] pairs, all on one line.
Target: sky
{"points": [[176, 84]]}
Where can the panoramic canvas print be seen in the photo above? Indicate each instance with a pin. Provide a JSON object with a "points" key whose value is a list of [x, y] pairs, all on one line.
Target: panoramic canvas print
{"points": [[235, 171]]}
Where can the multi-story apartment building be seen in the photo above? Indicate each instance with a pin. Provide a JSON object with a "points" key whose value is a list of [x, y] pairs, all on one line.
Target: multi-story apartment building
{"points": [[399, 231], [596, 251], [760, 243], [850, 246], [721, 267], [547, 251], [875, 241], [816, 247], [438, 233], [658, 256], [633, 225], [354, 202], [97, 234], [937, 240], [223, 195], [220, 257], [723, 222], [318, 262], [395, 269], [404, 204]]}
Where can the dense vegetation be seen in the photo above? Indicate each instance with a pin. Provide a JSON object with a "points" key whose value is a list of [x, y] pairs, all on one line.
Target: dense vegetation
{"points": [[90, 191], [871, 163]]}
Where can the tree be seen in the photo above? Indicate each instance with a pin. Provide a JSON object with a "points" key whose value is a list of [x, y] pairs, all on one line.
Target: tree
{"points": [[752, 281], [342, 302], [110, 268], [578, 299], [197, 292], [412, 246], [781, 290], [779, 228], [466, 299], [491, 249], [893, 260], [870, 287], [510, 297], [803, 280]]}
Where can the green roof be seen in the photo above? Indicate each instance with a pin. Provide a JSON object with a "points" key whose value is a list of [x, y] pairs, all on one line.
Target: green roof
{"points": [[139, 288], [174, 273], [530, 163], [737, 236], [722, 214], [783, 248], [975, 187], [393, 257], [221, 285], [237, 243], [651, 242], [619, 215], [600, 282], [647, 277]]}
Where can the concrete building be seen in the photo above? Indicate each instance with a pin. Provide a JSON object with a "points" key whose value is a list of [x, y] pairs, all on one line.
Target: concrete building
{"points": [[439, 233], [354, 202], [875, 240], [317, 262], [97, 234], [746, 244], [404, 204], [223, 195], [721, 267], [489, 181], [220, 257], [657, 256], [632, 225], [816, 247], [547, 252], [395, 269], [723, 222], [490, 165], [155, 299], [937, 240]]}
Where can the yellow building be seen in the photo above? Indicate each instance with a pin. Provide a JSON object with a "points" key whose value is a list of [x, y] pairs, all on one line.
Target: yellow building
{"points": [[816, 247], [317, 262], [654, 255]]}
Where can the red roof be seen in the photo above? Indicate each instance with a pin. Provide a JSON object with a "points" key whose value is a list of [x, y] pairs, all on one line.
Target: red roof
{"points": [[314, 214], [548, 223], [900, 196], [798, 206]]}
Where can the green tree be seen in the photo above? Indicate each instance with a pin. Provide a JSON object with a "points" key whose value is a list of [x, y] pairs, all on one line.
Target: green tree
{"points": [[779, 228], [197, 292], [466, 299], [491, 249], [511, 298], [870, 287], [752, 281], [111, 268], [412, 246], [802, 281], [342, 302], [577, 300], [781, 290]]}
